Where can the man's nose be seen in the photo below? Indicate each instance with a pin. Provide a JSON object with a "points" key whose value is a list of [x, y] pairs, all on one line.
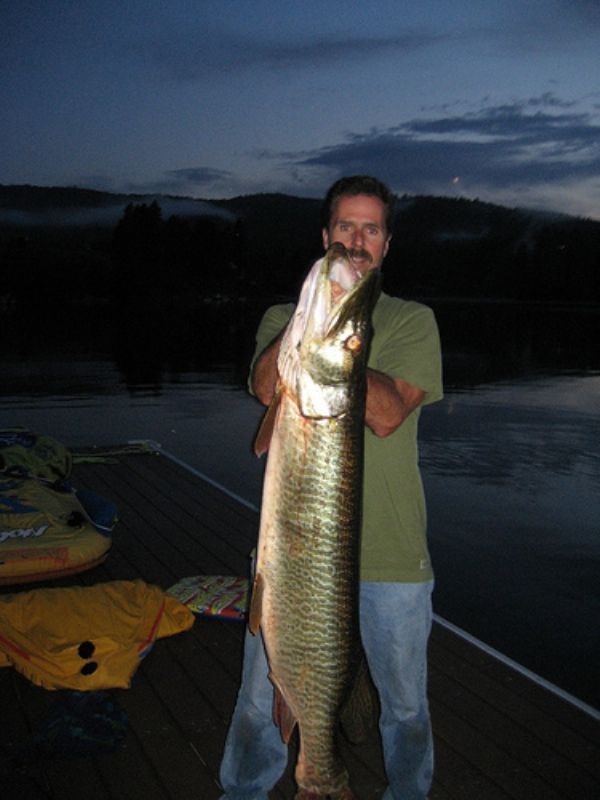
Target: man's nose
{"points": [[357, 237]]}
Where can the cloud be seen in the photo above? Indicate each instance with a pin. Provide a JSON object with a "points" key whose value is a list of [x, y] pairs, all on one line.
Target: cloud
{"points": [[284, 42], [184, 180], [199, 176], [549, 99], [189, 56], [543, 26], [537, 141]]}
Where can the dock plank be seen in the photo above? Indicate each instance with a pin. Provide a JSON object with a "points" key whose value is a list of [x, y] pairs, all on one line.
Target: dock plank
{"points": [[498, 735], [512, 718]]}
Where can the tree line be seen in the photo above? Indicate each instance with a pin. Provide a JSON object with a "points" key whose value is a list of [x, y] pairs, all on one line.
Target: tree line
{"points": [[262, 246]]}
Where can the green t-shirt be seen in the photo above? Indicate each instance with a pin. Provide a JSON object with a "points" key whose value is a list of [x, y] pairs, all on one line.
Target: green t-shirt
{"points": [[405, 345]]}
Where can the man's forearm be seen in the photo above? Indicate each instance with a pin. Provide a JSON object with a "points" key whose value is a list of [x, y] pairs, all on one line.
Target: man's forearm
{"points": [[265, 373], [389, 402]]}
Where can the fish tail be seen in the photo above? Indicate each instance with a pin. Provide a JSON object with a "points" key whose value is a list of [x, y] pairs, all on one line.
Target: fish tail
{"points": [[360, 712], [343, 793], [325, 778]]}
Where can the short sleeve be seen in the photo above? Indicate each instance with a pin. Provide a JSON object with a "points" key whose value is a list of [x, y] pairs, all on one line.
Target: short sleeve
{"points": [[406, 345]]}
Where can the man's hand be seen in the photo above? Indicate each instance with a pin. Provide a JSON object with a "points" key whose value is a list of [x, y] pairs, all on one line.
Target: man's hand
{"points": [[389, 400]]}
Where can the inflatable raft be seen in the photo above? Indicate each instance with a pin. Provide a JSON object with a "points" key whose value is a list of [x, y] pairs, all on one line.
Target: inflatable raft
{"points": [[47, 529]]}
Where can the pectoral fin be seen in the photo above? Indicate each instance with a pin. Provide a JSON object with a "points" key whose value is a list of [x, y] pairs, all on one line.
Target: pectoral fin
{"points": [[265, 430], [282, 715], [255, 615]]}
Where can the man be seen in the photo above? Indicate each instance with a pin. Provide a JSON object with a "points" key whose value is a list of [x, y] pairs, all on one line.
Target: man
{"points": [[404, 373]]}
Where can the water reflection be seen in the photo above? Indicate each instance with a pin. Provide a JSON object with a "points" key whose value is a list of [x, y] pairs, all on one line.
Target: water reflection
{"points": [[162, 341], [154, 341], [485, 342], [482, 342], [508, 441]]}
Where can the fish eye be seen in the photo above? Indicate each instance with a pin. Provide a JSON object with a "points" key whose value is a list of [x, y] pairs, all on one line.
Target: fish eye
{"points": [[353, 343]]}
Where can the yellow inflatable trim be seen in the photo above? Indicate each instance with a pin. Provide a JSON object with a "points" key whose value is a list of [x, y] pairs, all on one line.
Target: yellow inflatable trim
{"points": [[86, 638], [45, 543]]}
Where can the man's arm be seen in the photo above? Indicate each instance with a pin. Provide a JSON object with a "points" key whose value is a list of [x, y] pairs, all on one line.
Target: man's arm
{"points": [[389, 400], [265, 374]]}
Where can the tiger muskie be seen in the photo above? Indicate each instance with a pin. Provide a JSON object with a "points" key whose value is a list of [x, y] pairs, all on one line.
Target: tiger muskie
{"points": [[305, 593]]}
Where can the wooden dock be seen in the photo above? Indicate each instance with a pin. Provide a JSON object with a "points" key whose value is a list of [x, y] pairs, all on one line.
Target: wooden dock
{"points": [[498, 735]]}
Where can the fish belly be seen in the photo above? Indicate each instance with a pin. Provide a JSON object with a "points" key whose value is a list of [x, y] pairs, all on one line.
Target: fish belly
{"points": [[308, 566]]}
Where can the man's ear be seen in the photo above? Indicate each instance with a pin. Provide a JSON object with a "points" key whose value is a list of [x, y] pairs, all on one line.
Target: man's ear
{"points": [[387, 246], [325, 234]]}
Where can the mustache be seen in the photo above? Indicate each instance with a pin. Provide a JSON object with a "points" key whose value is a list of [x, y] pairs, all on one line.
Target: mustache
{"points": [[359, 253]]}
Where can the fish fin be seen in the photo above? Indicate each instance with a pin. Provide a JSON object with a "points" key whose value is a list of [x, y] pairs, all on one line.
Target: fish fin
{"points": [[255, 614], [265, 430], [360, 712], [283, 716]]}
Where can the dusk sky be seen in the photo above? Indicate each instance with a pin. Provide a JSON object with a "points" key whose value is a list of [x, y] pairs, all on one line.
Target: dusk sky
{"points": [[495, 99]]}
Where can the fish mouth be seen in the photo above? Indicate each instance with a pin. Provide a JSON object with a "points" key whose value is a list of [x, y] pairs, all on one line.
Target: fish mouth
{"points": [[350, 289], [326, 332], [345, 270]]}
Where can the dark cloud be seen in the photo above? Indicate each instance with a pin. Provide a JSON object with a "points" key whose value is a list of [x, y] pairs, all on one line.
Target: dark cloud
{"points": [[499, 147], [337, 49], [549, 99], [201, 176], [192, 55], [509, 123], [185, 180], [543, 26], [188, 55]]}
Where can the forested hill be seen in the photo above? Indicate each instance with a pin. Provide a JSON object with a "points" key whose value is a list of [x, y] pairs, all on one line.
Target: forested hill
{"points": [[444, 247], [262, 244]]}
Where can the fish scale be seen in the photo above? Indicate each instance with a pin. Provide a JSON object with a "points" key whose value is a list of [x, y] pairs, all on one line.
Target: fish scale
{"points": [[305, 596]]}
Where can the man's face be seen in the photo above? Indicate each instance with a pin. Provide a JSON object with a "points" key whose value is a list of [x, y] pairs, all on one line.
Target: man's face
{"points": [[358, 222]]}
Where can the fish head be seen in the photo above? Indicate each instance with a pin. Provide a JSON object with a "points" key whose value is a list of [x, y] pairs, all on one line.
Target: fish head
{"points": [[324, 351]]}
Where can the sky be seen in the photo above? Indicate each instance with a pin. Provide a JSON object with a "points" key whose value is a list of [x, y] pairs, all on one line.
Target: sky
{"points": [[491, 99]]}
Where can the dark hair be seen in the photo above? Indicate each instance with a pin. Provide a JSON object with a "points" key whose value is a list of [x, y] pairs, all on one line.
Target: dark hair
{"points": [[352, 186]]}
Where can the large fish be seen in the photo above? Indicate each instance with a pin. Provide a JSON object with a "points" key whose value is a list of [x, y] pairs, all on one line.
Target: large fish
{"points": [[305, 594]]}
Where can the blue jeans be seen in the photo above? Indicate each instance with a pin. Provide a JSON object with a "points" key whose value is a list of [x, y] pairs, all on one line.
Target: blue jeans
{"points": [[395, 622]]}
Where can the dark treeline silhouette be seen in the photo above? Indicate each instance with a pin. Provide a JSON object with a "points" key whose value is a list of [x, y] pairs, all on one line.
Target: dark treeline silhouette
{"points": [[184, 290], [157, 257], [262, 245], [467, 249], [177, 292]]}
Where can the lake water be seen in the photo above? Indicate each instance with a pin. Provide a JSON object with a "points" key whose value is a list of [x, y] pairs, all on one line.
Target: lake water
{"points": [[511, 464]]}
